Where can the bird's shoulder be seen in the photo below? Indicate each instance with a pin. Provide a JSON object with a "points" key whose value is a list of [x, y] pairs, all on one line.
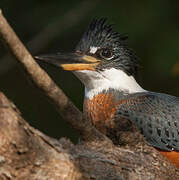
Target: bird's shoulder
{"points": [[143, 101], [156, 115]]}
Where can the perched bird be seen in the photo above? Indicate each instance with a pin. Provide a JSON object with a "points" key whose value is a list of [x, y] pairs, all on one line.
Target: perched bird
{"points": [[114, 102]]}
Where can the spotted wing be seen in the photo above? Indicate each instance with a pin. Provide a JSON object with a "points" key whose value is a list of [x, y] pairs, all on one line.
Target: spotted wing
{"points": [[156, 116]]}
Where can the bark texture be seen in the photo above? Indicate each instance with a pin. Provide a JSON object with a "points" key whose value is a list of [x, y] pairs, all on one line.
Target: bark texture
{"points": [[26, 153]]}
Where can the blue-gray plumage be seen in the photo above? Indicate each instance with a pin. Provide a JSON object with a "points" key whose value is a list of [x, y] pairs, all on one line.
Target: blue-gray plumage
{"points": [[156, 115]]}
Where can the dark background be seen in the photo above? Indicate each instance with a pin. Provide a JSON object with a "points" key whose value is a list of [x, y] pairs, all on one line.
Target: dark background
{"points": [[52, 26]]}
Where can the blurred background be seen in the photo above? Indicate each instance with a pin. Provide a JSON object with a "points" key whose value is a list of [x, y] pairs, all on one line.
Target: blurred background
{"points": [[56, 26]]}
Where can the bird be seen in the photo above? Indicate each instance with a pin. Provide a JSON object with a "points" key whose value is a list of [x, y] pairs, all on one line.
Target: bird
{"points": [[114, 102]]}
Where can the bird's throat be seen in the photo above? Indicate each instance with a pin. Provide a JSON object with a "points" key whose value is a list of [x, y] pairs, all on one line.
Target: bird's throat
{"points": [[96, 82]]}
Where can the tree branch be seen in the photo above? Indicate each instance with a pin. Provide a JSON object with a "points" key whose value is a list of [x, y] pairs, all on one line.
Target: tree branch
{"points": [[26, 153], [41, 79]]}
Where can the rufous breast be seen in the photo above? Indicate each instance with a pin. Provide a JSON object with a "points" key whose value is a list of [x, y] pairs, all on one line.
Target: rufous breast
{"points": [[100, 110]]}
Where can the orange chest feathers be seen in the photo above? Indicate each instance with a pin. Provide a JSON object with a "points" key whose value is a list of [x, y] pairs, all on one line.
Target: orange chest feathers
{"points": [[100, 110]]}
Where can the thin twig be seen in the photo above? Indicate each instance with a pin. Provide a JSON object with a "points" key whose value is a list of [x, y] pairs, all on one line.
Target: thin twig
{"points": [[65, 107]]}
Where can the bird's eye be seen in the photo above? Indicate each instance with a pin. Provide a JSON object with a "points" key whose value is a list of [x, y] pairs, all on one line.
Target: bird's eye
{"points": [[106, 53]]}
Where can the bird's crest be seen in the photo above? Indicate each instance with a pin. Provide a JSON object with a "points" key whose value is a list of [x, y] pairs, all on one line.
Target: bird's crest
{"points": [[100, 34]]}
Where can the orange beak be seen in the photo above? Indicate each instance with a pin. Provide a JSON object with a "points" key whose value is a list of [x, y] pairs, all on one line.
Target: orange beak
{"points": [[71, 61]]}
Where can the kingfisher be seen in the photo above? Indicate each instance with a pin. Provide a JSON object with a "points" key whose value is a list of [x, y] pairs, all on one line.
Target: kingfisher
{"points": [[114, 102]]}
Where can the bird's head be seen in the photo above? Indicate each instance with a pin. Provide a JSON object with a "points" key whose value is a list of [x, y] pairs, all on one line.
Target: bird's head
{"points": [[101, 54]]}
